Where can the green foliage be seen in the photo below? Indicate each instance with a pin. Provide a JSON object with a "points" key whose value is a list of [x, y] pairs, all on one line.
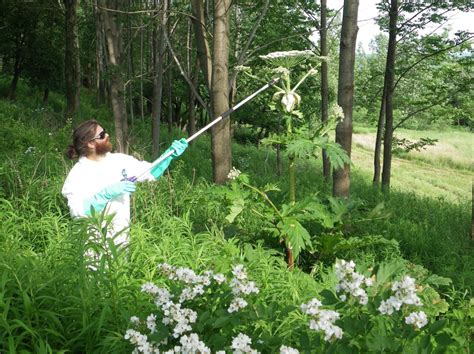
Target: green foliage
{"points": [[51, 300]]}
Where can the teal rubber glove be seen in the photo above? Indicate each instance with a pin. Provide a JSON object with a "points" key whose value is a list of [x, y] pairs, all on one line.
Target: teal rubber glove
{"points": [[178, 147], [100, 199]]}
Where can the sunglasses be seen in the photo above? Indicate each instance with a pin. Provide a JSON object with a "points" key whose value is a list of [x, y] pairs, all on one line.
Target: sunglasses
{"points": [[100, 136]]}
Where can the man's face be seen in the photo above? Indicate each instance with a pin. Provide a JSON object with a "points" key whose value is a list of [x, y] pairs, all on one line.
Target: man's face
{"points": [[101, 141]]}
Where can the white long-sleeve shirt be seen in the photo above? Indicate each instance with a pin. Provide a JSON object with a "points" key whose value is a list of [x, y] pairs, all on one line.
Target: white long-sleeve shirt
{"points": [[88, 177]]}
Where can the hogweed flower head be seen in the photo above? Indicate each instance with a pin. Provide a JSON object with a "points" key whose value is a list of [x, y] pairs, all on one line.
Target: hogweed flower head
{"points": [[233, 174], [287, 59]]}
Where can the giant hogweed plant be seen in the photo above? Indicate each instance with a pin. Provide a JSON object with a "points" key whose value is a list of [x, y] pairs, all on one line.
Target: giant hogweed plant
{"points": [[288, 222], [299, 140]]}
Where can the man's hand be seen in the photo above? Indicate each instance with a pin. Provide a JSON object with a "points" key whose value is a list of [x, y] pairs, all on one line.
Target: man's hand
{"points": [[118, 188], [179, 146]]}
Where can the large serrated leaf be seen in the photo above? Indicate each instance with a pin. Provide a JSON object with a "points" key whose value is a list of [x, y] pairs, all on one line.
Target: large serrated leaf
{"points": [[235, 209]]}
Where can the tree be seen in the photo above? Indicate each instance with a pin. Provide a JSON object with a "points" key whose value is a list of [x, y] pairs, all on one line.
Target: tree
{"points": [[345, 93], [324, 81], [220, 134], [158, 57], [114, 52], [412, 17], [71, 60]]}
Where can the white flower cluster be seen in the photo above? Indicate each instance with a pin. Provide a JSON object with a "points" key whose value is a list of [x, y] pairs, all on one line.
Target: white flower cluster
{"points": [[288, 350], [337, 112], [350, 282], [140, 341], [240, 286], [418, 319], [290, 101], [322, 320], [191, 345], [181, 318], [405, 293], [31, 150], [241, 344], [233, 173], [287, 54], [187, 276]]}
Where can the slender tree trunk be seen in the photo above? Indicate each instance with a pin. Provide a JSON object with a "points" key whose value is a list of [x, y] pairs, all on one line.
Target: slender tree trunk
{"points": [[16, 73], [378, 139], [46, 97], [169, 94], [142, 112], [204, 54], [220, 134], [99, 57], [324, 83], [117, 89], [72, 63], [390, 75], [159, 52], [345, 93]]}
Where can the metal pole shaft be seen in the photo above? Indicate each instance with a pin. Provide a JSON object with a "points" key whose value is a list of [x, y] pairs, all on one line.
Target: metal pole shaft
{"points": [[215, 121]]}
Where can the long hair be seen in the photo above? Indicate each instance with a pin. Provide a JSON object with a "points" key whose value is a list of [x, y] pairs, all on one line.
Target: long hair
{"points": [[84, 133]]}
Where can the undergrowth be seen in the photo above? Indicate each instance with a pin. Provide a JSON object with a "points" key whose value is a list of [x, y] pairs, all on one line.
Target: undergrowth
{"points": [[50, 301]]}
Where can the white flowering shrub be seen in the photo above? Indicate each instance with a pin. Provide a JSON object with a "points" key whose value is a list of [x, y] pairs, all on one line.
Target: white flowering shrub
{"points": [[214, 312]]}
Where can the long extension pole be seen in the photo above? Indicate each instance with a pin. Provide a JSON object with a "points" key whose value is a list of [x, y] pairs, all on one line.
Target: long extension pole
{"points": [[215, 121]]}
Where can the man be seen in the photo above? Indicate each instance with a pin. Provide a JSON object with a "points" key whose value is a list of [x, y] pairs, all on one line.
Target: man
{"points": [[99, 179]]}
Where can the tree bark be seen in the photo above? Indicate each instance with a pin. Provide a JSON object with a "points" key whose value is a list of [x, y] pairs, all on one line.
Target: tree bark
{"points": [[390, 77], [345, 93], [378, 138], [72, 63], [204, 54], [99, 57], [220, 134], [324, 83], [114, 55], [16, 71], [158, 59]]}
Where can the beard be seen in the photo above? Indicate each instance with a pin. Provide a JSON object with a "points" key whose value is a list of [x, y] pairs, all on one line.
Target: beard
{"points": [[103, 146]]}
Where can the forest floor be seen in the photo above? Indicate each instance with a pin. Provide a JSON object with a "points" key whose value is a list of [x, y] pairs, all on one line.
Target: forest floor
{"points": [[440, 171]]}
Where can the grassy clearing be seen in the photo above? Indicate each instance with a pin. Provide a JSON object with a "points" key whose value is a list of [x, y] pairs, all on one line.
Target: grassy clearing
{"points": [[440, 171]]}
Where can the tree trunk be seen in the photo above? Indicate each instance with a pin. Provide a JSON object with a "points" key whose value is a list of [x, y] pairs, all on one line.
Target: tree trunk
{"points": [[378, 139], [117, 89], [158, 57], [99, 57], [142, 112], [17, 67], [220, 134], [169, 94], [71, 60], [204, 54], [46, 97], [390, 75], [324, 83], [345, 93]]}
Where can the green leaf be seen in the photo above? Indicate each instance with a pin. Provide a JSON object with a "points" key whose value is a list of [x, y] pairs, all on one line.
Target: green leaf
{"points": [[437, 326], [235, 209], [297, 237], [444, 339], [328, 297]]}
